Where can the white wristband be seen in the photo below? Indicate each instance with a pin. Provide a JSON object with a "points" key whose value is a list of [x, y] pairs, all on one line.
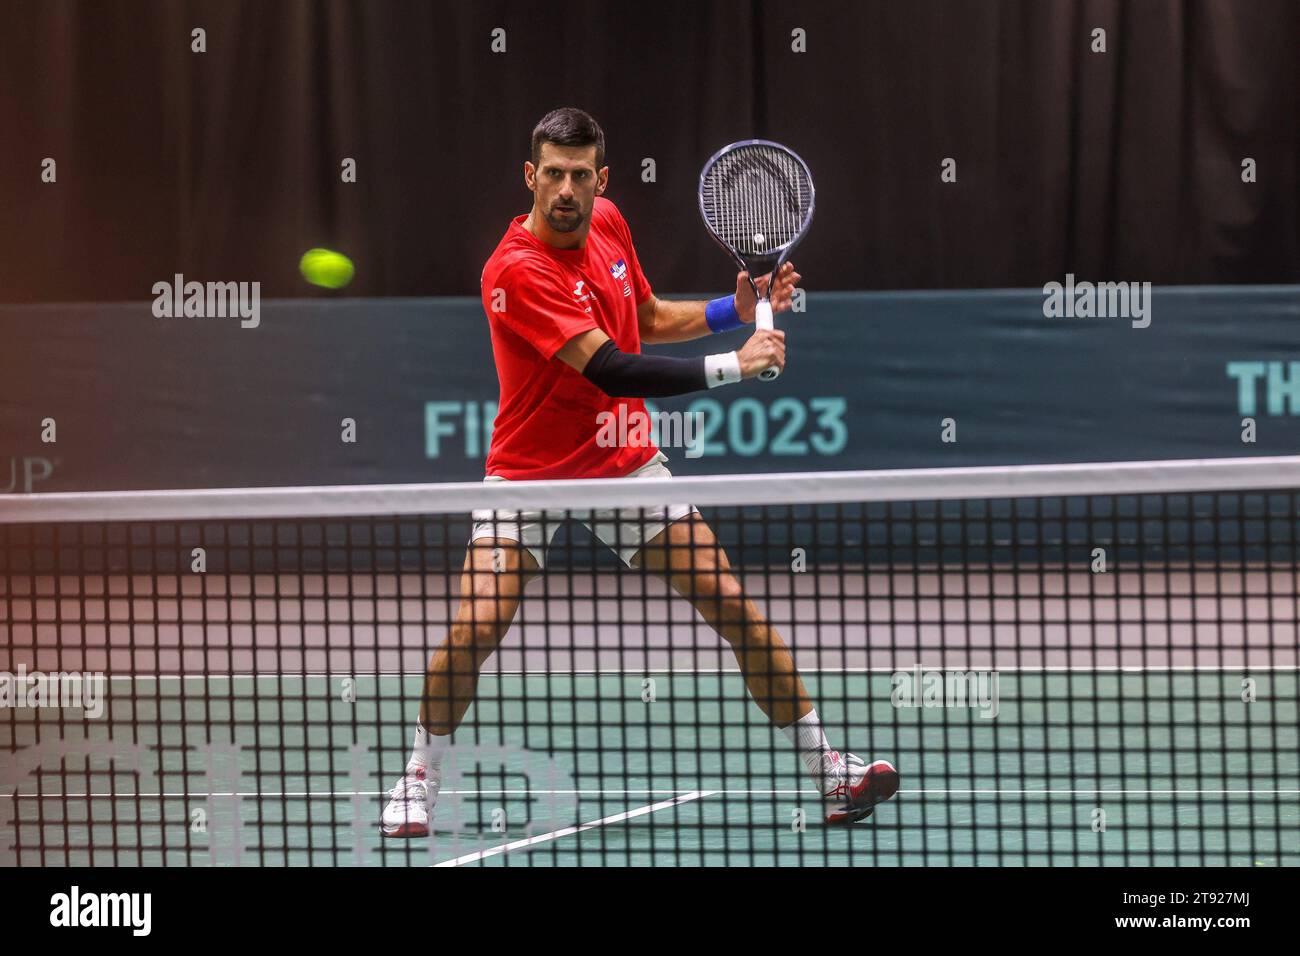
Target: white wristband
{"points": [[722, 369]]}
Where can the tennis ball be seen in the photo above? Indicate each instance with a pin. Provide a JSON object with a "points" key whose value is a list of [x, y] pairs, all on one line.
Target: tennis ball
{"points": [[326, 268]]}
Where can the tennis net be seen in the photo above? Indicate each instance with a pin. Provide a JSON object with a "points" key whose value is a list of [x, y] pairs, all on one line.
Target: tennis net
{"points": [[1068, 665]]}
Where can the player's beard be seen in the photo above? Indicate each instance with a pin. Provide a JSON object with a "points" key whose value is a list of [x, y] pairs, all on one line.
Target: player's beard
{"points": [[566, 223]]}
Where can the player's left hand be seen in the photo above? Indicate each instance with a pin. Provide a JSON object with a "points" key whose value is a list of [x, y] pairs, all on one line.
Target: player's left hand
{"points": [[781, 294]]}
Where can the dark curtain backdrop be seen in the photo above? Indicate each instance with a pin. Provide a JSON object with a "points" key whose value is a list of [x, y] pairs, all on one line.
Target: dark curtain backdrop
{"points": [[225, 165]]}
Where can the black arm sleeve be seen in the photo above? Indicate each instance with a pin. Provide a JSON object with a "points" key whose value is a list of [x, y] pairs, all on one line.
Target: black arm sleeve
{"points": [[620, 375]]}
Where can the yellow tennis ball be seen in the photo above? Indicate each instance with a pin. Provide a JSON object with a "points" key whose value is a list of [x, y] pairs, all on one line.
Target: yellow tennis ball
{"points": [[326, 268]]}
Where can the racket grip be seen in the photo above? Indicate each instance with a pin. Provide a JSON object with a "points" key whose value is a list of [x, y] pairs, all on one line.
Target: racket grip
{"points": [[763, 320]]}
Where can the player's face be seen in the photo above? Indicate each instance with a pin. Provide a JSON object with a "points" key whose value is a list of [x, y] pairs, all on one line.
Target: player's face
{"points": [[566, 183]]}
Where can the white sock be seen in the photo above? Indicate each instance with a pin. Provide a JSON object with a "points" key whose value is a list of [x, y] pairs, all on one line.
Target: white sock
{"points": [[810, 741], [428, 749]]}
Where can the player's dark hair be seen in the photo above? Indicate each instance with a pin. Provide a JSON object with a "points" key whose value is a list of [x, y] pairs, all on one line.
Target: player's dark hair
{"points": [[569, 126]]}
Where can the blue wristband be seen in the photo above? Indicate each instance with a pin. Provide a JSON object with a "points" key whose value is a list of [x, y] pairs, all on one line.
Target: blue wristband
{"points": [[721, 314]]}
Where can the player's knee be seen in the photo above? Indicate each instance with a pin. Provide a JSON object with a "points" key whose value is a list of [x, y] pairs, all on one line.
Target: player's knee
{"points": [[488, 634], [485, 625], [716, 594]]}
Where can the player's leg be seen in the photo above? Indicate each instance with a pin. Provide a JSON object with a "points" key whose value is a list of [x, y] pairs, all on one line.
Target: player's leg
{"points": [[496, 570], [688, 555]]}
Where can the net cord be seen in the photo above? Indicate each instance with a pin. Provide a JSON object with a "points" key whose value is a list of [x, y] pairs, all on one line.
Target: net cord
{"points": [[579, 495]]}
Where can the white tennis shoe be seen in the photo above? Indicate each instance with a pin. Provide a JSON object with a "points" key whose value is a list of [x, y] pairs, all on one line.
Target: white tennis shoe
{"points": [[410, 803], [851, 788]]}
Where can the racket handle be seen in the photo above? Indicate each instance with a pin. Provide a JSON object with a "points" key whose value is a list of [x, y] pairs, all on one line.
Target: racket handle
{"points": [[763, 320]]}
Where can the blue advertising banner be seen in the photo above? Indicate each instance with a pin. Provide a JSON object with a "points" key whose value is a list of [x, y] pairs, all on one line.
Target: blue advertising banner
{"points": [[329, 391]]}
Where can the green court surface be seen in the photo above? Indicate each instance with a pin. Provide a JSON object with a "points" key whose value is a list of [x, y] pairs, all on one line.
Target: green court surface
{"points": [[1076, 768]]}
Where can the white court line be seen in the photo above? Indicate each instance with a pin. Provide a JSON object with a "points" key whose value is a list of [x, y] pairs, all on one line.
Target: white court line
{"points": [[343, 794], [1030, 668], [569, 831], [1089, 791], [338, 794]]}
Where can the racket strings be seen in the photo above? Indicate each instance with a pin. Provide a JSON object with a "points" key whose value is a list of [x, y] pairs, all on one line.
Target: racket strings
{"points": [[757, 199]]}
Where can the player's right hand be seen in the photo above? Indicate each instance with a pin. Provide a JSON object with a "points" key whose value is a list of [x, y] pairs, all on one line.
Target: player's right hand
{"points": [[765, 348]]}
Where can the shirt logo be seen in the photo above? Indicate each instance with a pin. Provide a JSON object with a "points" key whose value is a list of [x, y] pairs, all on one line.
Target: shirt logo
{"points": [[582, 295], [619, 271]]}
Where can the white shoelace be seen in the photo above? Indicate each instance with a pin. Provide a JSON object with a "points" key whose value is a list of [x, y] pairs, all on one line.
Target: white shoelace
{"points": [[843, 771], [409, 789]]}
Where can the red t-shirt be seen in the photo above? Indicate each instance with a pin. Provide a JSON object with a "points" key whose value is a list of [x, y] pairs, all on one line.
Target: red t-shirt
{"points": [[537, 298]]}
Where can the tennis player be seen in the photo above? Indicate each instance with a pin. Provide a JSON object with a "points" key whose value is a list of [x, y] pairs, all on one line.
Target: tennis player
{"points": [[569, 310]]}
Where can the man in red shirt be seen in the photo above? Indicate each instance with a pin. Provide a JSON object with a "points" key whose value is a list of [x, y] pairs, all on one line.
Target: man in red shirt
{"points": [[569, 308]]}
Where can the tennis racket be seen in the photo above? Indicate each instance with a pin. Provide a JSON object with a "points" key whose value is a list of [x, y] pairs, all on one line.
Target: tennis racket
{"points": [[756, 198]]}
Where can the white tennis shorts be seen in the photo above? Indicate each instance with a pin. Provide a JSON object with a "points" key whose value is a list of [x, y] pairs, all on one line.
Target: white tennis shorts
{"points": [[624, 530]]}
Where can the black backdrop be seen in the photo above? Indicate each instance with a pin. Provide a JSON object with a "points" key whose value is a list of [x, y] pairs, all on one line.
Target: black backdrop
{"points": [[225, 165]]}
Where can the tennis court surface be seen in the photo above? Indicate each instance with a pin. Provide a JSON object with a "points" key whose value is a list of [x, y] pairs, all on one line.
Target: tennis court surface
{"points": [[1070, 666]]}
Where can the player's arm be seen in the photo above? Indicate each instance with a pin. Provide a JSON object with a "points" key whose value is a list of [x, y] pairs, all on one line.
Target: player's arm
{"points": [[622, 374], [667, 320]]}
